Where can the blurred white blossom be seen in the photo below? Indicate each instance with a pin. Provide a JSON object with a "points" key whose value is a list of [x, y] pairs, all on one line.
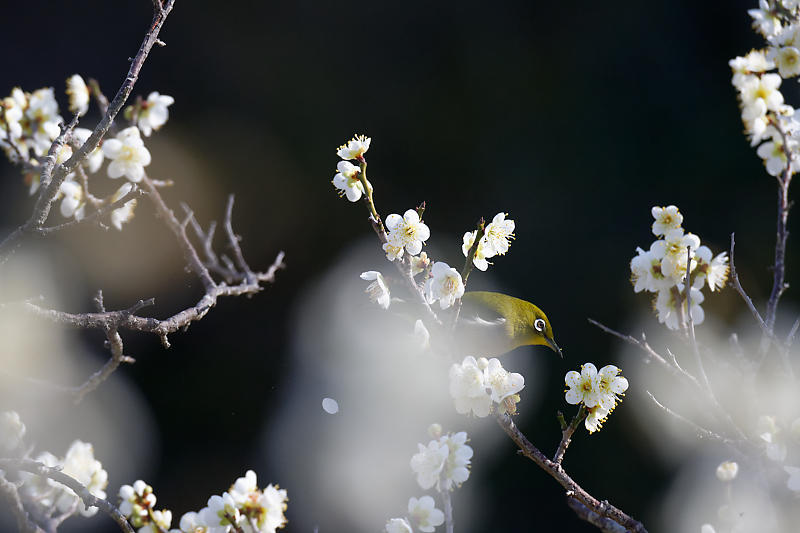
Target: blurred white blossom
{"points": [[154, 113], [446, 285], [424, 514], [128, 155], [78, 94], [378, 291]]}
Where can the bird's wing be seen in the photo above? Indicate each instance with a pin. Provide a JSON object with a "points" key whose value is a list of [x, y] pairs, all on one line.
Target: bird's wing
{"points": [[478, 321], [480, 311]]}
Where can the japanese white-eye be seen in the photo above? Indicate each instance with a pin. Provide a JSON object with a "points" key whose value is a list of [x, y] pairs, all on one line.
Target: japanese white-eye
{"points": [[491, 324]]}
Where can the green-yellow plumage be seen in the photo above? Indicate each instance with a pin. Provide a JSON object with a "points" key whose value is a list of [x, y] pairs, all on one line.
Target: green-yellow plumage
{"points": [[491, 324]]}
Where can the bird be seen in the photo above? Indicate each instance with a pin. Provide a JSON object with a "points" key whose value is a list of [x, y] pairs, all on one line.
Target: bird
{"points": [[491, 324]]}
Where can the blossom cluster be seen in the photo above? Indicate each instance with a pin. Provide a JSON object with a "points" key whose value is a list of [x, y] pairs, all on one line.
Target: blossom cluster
{"points": [[406, 235], [764, 113], [442, 464], [477, 385], [42, 496], [244, 507], [495, 241], [30, 122], [599, 391], [662, 269]]}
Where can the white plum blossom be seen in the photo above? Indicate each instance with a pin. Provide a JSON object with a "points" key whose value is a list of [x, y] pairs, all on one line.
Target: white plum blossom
{"points": [[443, 463], [42, 119], [408, 231], [727, 471], [419, 263], [154, 113], [479, 260], [646, 272], [355, 148], [476, 384], [424, 514], [12, 431], [713, 271], [787, 59], [392, 252], [80, 464], [94, 160], [128, 155], [611, 386], [598, 391], [12, 109], [347, 180], [160, 522], [663, 269], [503, 384], [122, 214], [192, 522], [666, 307], [41, 488], [72, 200], [446, 285], [220, 513], [672, 252], [136, 500], [594, 420], [429, 462], [78, 94], [764, 21], [378, 290], [584, 386], [456, 468], [774, 155], [497, 235], [754, 62], [262, 509], [667, 218], [468, 387], [398, 525], [707, 528]]}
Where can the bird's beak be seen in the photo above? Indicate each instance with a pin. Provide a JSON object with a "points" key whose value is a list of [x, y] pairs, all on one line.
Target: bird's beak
{"points": [[553, 346]]}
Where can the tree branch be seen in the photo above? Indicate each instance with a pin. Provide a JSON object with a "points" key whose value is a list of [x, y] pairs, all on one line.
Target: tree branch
{"points": [[556, 471], [53, 176]]}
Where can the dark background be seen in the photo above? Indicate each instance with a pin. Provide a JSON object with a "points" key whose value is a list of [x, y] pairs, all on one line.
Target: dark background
{"points": [[575, 118]]}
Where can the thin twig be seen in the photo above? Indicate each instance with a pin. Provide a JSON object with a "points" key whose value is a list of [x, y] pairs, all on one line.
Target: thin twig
{"points": [[233, 240], [447, 503], [92, 217], [566, 434], [179, 230], [690, 327], [606, 525], [700, 430], [117, 358], [734, 278], [782, 232]]}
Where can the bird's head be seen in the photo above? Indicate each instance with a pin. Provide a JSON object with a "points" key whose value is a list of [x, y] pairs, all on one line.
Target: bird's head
{"points": [[541, 332]]}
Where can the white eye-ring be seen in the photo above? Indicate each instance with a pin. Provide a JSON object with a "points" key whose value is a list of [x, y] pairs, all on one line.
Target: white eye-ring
{"points": [[539, 325]]}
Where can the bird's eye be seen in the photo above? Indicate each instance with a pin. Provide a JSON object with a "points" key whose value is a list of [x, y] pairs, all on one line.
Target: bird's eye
{"points": [[539, 325]]}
